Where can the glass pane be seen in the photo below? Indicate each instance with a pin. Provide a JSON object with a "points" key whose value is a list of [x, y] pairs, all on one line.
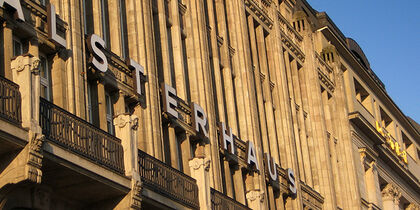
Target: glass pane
{"points": [[17, 48], [43, 66]]}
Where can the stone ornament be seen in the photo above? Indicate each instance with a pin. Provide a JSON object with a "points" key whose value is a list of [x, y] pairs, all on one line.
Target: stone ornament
{"points": [[26, 60], [196, 163], [137, 187], [390, 192], [34, 164], [254, 195]]}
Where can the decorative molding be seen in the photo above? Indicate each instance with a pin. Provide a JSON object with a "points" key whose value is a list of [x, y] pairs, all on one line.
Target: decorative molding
{"points": [[292, 47], [267, 3], [289, 28], [259, 13], [311, 197], [326, 81]]}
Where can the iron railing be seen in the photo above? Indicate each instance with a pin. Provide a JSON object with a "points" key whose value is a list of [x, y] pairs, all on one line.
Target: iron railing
{"points": [[81, 137], [10, 101], [168, 181], [220, 201]]}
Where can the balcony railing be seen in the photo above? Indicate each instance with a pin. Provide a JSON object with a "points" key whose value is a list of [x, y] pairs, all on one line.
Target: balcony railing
{"points": [[81, 137], [220, 201], [164, 179], [10, 101]]}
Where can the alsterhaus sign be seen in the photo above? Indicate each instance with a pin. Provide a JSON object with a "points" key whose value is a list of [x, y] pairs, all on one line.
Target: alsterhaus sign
{"points": [[99, 62]]}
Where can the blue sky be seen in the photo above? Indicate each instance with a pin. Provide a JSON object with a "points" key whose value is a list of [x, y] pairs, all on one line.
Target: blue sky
{"points": [[389, 33]]}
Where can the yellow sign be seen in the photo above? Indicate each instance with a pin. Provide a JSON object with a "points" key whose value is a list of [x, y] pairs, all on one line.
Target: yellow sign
{"points": [[392, 143]]}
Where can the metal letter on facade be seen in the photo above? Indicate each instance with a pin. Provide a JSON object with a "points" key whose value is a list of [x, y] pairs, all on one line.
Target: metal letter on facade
{"points": [[226, 137], [133, 65], [169, 102], [292, 182], [52, 26], [271, 167], [251, 157], [98, 58], [200, 120]]}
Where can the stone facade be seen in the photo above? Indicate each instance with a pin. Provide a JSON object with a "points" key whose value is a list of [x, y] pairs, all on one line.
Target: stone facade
{"points": [[206, 104]]}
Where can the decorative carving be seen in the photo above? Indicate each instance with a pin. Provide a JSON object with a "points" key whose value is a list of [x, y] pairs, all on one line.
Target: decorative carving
{"points": [[20, 62], [135, 123], [136, 189], [391, 192], [196, 163], [412, 206], [35, 65], [121, 120], [255, 194], [34, 164]]}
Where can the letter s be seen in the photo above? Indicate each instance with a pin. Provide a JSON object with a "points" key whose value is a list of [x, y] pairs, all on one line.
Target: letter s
{"points": [[98, 59]]}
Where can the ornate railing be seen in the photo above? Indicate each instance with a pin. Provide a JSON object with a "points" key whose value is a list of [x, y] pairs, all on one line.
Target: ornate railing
{"points": [[220, 201], [166, 180], [10, 101], [81, 137]]}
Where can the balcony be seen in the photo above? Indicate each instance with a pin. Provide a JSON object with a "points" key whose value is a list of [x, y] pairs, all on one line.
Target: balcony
{"points": [[10, 102], [80, 137], [220, 201], [163, 179]]}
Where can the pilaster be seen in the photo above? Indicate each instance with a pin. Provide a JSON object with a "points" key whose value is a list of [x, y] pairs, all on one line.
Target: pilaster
{"points": [[199, 168], [26, 75], [7, 51], [391, 197], [126, 129]]}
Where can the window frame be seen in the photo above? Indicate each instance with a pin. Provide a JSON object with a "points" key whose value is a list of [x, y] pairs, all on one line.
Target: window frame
{"points": [[45, 81], [109, 114]]}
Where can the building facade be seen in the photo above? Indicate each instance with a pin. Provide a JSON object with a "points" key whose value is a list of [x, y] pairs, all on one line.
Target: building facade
{"points": [[195, 104]]}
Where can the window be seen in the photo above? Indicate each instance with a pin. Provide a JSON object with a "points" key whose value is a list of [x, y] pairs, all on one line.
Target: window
{"points": [[17, 47], [88, 17], [44, 77], [105, 23], [90, 111], [109, 114]]}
